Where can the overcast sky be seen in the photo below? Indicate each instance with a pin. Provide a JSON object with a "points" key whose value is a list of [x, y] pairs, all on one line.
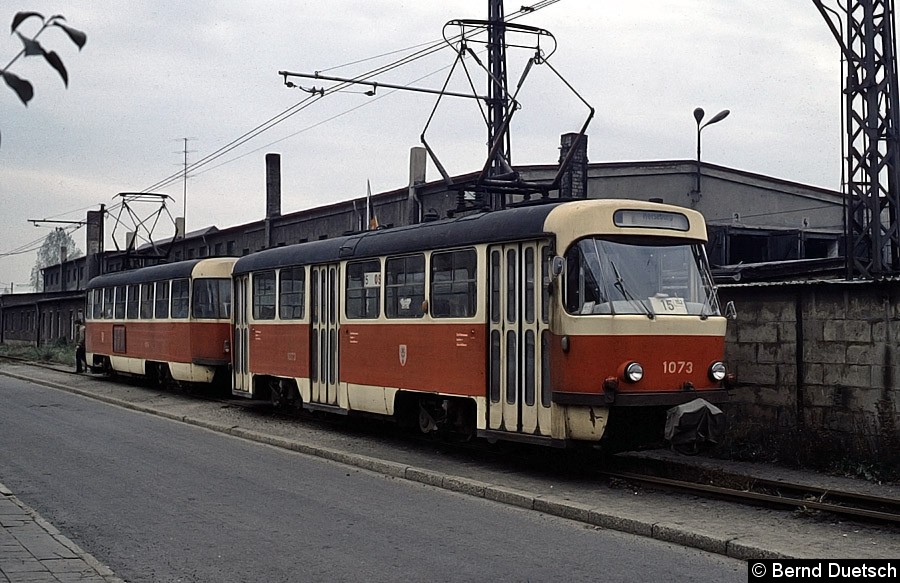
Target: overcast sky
{"points": [[156, 72]]}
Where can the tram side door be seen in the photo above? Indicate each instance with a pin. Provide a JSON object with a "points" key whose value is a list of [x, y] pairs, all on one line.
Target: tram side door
{"points": [[325, 281], [517, 329], [240, 369]]}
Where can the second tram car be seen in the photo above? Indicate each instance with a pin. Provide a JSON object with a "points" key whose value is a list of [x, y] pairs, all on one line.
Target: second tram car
{"points": [[535, 323], [167, 322]]}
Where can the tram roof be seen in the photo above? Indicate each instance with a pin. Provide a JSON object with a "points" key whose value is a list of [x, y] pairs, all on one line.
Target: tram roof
{"points": [[488, 227], [161, 272]]}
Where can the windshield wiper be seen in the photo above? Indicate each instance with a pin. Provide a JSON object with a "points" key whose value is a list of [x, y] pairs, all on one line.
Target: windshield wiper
{"points": [[712, 295], [620, 285]]}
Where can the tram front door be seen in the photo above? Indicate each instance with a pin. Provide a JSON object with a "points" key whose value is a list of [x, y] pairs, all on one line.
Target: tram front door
{"points": [[241, 383], [323, 343], [518, 383]]}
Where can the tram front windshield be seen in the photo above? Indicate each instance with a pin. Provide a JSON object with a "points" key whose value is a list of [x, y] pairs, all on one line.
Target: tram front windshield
{"points": [[654, 277]]}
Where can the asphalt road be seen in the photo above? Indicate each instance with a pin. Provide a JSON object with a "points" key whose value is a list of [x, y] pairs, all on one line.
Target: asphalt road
{"points": [[158, 500]]}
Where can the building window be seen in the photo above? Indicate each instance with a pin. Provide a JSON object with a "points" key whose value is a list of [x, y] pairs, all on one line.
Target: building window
{"points": [[454, 291], [363, 289], [218, 249], [264, 295], [291, 288], [404, 288]]}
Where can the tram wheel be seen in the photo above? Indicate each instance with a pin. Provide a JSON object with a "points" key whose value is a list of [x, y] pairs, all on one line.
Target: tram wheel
{"points": [[163, 375], [283, 395], [427, 423]]}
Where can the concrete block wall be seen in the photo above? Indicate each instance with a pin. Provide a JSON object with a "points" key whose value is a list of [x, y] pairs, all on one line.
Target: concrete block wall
{"points": [[817, 370]]}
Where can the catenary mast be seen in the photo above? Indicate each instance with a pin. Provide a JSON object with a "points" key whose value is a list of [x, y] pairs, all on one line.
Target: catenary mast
{"points": [[872, 125]]}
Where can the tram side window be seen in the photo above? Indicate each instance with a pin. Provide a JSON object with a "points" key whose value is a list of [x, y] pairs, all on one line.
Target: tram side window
{"points": [[582, 286], [97, 303], [264, 295], [453, 284], [162, 300], [131, 305], [120, 303], [146, 301], [363, 289], [108, 302], [212, 299], [404, 288], [290, 293], [181, 294]]}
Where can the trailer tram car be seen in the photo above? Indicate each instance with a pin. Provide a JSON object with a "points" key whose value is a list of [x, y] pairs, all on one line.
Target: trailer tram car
{"points": [[166, 322], [539, 323]]}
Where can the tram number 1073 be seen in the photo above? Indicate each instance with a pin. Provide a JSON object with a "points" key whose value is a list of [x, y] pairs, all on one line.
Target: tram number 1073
{"points": [[678, 367]]}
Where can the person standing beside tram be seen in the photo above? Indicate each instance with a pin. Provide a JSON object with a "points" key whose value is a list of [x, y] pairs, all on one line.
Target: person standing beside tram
{"points": [[80, 362]]}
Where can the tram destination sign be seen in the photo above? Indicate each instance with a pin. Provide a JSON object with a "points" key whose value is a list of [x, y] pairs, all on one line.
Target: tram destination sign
{"points": [[627, 218]]}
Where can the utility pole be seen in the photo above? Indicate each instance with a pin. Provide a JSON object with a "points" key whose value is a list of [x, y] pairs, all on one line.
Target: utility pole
{"points": [[872, 192], [498, 97], [184, 176], [497, 181]]}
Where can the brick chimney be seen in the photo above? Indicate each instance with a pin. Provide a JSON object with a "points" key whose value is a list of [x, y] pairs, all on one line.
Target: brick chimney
{"points": [[574, 180], [273, 186], [94, 259], [273, 195]]}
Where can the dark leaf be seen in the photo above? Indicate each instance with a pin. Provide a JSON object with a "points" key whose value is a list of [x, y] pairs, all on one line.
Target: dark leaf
{"points": [[23, 88], [57, 64], [20, 17], [78, 37], [32, 47]]}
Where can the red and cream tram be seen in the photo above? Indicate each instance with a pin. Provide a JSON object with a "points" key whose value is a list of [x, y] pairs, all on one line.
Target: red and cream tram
{"points": [[166, 322], [536, 323]]}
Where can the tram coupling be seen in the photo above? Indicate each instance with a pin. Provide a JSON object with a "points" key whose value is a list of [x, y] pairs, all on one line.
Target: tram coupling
{"points": [[693, 425]]}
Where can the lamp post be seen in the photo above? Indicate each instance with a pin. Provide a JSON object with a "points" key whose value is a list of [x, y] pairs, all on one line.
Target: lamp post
{"points": [[698, 115]]}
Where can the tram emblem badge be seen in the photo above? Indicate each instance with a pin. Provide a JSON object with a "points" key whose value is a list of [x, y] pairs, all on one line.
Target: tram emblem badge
{"points": [[403, 355]]}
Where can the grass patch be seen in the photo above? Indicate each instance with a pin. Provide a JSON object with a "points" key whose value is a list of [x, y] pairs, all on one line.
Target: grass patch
{"points": [[58, 352], [857, 455]]}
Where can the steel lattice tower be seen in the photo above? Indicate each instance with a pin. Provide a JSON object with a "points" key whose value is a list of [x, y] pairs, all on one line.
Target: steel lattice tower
{"points": [[498, 96], [872, 200]]}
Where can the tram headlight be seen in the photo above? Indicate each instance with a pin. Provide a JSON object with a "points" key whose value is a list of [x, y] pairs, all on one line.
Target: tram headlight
{"points": [[634, 372], [717, 371]]}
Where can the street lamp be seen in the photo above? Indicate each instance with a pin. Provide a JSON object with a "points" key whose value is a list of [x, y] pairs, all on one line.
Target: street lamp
{"points": [[698, 115]]}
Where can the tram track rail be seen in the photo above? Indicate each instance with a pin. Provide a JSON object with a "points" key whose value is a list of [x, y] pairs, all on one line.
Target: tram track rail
{"points": [[777, 493]]}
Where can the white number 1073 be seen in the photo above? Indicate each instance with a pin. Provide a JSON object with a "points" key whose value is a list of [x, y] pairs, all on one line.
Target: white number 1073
{"points": [[678, 367]]}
